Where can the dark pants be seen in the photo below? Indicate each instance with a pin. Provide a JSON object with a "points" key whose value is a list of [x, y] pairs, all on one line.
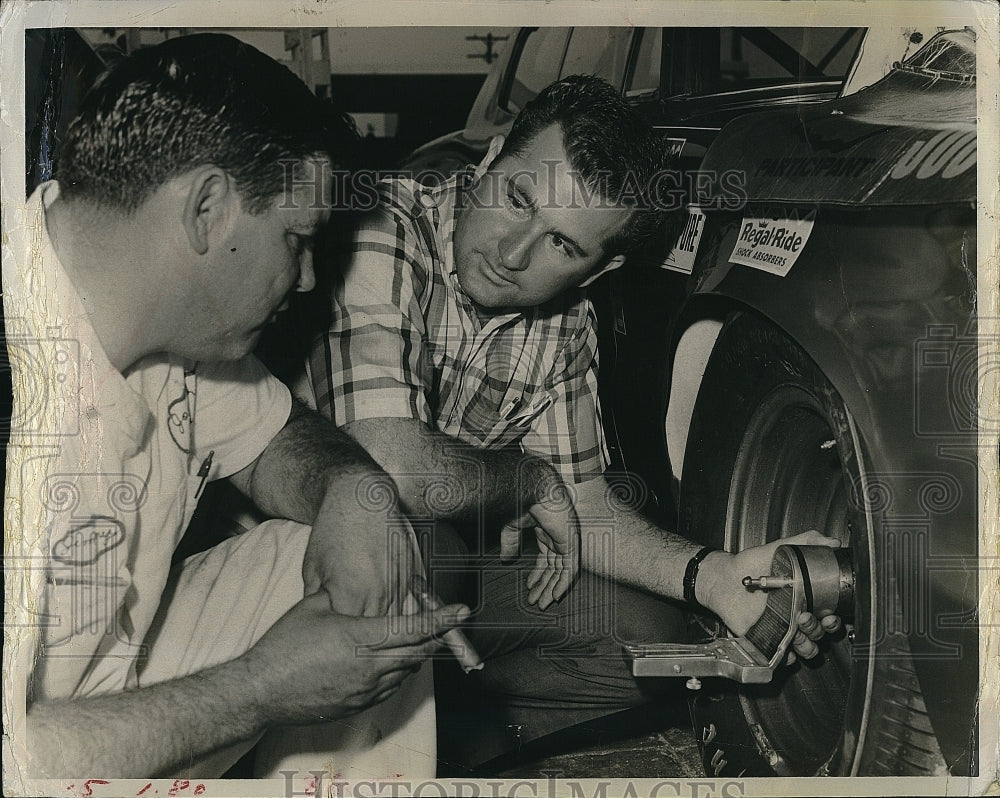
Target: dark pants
{"points": [[545, 670]]}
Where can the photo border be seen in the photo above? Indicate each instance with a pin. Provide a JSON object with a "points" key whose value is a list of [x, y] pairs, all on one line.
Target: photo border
{"points": [[15, 17]]}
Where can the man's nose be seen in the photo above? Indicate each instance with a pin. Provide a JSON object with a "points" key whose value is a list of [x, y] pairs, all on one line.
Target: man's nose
{"points": [[514, 251], [307, 274]]}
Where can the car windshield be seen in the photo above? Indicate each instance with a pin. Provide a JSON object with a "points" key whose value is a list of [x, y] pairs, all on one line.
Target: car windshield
{"points": [[541, 56], [754, 57], [950, 55]]}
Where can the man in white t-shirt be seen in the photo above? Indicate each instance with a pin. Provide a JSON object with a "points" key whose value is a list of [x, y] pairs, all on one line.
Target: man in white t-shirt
{"points": [[171, 239]]}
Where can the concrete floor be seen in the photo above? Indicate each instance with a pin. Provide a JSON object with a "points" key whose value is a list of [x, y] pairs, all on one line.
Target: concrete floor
{"points": [[671, 753], [647, 742], [616, 748]]}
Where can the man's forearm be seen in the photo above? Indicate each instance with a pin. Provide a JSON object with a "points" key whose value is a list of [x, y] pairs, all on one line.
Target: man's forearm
{"points": [[292, 476], [153, 731], [425, 464], [619, 543]]}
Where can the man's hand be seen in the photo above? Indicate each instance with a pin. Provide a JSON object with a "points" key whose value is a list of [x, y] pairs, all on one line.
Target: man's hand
{"points": [[314, 664], [557, 533], [361, 550], [720, 588]]}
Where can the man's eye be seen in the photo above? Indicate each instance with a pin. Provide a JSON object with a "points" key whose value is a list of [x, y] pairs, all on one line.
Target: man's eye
{"points": [[560, 243], [516, 202]]}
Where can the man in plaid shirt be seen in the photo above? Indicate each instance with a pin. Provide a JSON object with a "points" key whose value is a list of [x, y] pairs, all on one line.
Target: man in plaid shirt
{"points": [[463, 356]]}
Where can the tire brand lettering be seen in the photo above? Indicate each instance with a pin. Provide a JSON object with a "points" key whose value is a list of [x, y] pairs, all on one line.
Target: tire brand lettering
{"points": [[708, 733], [718, 762]]}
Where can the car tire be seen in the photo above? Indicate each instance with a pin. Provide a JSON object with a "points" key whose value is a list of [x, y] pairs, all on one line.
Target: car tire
{"points": [[772, 451]]}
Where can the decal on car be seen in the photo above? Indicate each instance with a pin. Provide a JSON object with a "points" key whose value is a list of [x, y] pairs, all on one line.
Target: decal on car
{"points": [[681, 257], [674, 146], [845, 160], [772, 245], [949, 153]]}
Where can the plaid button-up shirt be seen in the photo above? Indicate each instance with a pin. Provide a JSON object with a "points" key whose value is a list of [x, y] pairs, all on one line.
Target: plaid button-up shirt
{"points": [[406, 342]]}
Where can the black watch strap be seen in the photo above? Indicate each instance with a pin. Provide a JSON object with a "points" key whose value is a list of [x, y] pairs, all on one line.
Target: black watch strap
{"points": [[691, 575]]}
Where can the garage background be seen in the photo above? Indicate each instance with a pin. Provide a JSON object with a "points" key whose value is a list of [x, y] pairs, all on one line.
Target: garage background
{"points": [[403, 86]]}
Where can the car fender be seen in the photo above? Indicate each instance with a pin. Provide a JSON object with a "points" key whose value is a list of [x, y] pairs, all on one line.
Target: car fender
{"points": [[908, 141], [882, 301]]}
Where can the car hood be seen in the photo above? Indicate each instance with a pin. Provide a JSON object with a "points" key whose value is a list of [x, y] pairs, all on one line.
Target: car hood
{"points": [[909, 139]]}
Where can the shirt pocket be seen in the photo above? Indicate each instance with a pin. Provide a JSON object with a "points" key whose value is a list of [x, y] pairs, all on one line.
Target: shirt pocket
{"points": [[516, 416]]}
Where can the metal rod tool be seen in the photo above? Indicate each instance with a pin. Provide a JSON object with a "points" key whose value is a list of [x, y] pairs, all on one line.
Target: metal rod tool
{"points": [[813, 578]]}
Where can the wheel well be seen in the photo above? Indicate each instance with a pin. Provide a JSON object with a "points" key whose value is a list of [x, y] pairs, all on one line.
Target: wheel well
{"points": [[697, 334], [694, 347]]}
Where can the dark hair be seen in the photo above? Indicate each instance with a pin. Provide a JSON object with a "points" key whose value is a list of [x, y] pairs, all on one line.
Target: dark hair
{"points": [[615, 151], [194, 100]]}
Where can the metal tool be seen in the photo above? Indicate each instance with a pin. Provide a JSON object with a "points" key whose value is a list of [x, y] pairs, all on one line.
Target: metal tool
{"points": [[813, 578]]}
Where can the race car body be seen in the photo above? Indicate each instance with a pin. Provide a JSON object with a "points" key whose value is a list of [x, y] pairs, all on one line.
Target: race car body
{"points": [[825, 373]]}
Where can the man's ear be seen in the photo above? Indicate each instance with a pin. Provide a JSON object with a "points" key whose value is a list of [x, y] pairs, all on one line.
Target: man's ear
{"points": [[210, 192], [496, 144], [610, 266]]}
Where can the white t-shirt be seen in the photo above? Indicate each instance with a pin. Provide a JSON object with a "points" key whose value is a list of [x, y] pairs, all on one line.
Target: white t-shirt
{"points": [[103, 472]]}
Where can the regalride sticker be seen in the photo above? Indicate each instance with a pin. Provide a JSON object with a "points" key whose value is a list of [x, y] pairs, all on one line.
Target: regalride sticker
{"points": [[772, 245]]}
